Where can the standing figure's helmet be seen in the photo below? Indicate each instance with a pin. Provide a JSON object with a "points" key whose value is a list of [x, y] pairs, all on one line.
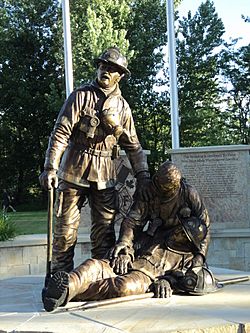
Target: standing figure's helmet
{"points": [[113, 56]]}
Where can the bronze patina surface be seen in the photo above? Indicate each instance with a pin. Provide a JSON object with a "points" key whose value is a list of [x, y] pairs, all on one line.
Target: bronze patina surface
{"points": [[93, 122], [162, 248]]}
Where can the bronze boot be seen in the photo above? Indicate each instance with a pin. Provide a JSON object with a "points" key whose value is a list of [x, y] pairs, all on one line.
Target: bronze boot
{"points": [[56, 293]]}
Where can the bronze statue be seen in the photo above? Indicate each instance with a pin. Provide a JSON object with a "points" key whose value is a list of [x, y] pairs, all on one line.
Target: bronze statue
{"points": [[170, 255], [91, 125]]}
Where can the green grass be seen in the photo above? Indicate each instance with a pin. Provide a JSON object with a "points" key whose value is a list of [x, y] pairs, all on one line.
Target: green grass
{"points": [[27, 223]]}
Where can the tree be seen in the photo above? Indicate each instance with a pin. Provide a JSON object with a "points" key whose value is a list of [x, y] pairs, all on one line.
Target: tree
{"points": [[32, 74], [198, 77], [235, 67], [147, 37], [29, 77], [138, 28], [95, 26]]}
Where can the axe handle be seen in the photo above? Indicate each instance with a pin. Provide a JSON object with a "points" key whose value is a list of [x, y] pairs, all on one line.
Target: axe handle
{"points": [[110, 301], [49, 231], [234, 280]]}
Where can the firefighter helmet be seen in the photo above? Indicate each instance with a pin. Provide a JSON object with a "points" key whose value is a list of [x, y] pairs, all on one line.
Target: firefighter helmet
{"points": [[198, 281], [187, 236], [113, 56], [167, 179], [194, 229]]}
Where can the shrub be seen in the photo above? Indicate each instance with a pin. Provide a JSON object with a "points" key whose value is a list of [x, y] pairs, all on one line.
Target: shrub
{"points": [[7, 228]]}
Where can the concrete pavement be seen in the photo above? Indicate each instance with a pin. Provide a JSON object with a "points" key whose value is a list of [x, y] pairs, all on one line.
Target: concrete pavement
{"points": [[228, 310]]}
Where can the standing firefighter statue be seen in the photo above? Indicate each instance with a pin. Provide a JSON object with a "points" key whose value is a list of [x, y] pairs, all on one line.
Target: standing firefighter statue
{"points": [[93, 122]]}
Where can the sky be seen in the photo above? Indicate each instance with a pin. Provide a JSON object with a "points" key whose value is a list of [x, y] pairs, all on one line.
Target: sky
{"points": [[230, 12]]}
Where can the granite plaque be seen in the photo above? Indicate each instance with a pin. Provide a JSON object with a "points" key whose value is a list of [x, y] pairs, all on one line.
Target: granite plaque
{"points": [[222, 178]]}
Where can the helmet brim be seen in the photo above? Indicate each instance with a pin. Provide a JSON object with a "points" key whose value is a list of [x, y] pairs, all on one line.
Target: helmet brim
{"points": [[196, 242], [124, 70]]}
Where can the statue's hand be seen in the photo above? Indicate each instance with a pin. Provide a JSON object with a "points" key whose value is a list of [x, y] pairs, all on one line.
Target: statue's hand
{"points": [[48, 179], [121, 257], [162, 289], [119, 248], [121, 264], [144, 188]]}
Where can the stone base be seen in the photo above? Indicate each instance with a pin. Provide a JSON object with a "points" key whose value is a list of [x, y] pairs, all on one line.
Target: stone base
{"points": [[230, 248], [228, 310], [26, 255]]}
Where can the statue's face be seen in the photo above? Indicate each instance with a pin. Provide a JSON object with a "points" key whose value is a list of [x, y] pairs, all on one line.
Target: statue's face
{"points": [[108, 75]]}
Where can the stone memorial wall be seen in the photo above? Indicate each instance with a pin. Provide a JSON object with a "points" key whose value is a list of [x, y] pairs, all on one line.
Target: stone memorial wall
{"points": [[221, 174]]}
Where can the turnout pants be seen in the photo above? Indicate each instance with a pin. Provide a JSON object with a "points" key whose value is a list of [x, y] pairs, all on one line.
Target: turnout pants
{"points": [[95, 280], [68, 209]]}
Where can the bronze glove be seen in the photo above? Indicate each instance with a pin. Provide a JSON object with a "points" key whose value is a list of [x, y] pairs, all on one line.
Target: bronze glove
{"points": [[162, 289], [48, 179], [121, 257], [121, 264], [144, 187]]}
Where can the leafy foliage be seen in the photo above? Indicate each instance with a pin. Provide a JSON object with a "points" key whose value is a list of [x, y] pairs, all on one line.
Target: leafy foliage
{"points": [[235, 67], [147, 37], [7, 228], [213, 78], [29, 77], [198, 69], [95, 26]]}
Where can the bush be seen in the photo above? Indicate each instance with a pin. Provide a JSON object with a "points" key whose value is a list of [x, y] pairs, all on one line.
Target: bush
{"points": [[7, 228]]}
